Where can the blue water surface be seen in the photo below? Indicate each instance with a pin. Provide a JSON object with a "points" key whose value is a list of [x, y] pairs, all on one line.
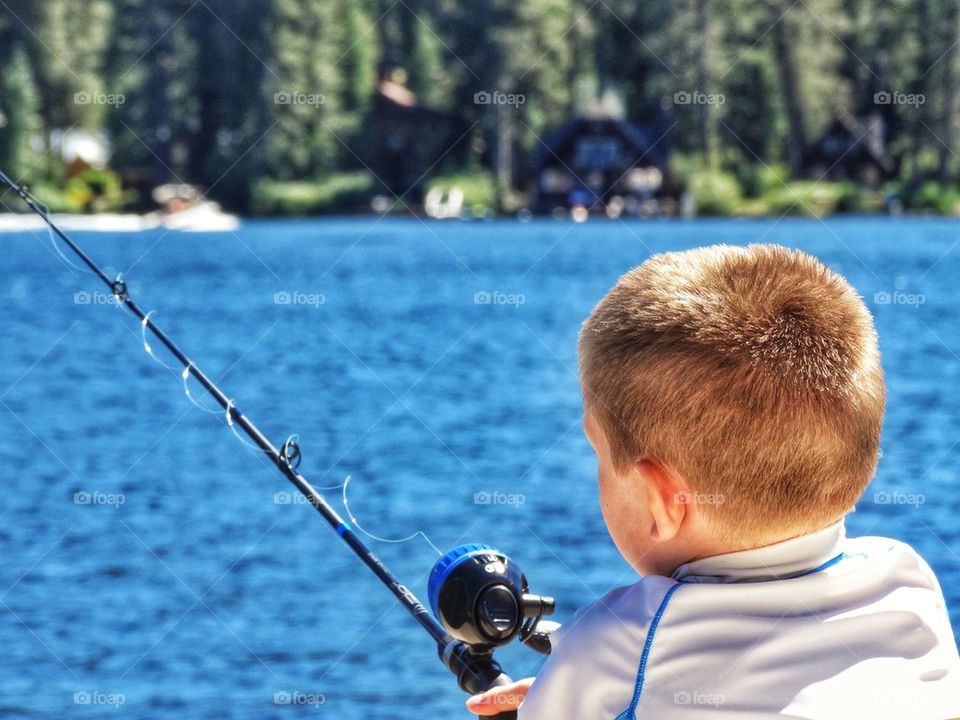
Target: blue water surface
{"points": [[145, 551]]}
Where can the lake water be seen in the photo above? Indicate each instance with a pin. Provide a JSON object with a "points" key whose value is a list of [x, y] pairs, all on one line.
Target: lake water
{"points": [[179, 580]]}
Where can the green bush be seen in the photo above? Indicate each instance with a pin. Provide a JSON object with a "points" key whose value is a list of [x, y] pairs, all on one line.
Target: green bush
{"points": [[91, 191], [53, 197], [97, 191], [931, 195], [339, 193], [479, 189], [757, 179], [716, 193], [808, 198], [863, 201]]}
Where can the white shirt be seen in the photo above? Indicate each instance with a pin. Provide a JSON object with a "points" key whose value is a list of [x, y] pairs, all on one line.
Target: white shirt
{"points": [[820, 626]]}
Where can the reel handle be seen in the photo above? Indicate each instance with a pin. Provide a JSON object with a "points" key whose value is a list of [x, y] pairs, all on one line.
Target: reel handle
{"points": [[476, 671]]}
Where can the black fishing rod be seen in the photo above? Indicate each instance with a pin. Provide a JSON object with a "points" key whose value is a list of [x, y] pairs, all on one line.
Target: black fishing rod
{"points": [[480, 597]]}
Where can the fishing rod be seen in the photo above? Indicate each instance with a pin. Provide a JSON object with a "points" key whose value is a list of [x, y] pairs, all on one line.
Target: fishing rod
{"points": [[480, 598]]}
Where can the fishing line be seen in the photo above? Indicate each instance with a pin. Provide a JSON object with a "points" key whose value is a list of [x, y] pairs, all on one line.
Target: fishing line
{"points": [[149, 350], [185, 377], [358, 526], [75, 269]]}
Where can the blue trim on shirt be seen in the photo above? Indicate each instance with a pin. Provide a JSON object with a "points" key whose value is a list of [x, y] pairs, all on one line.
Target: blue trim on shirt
{"points": [[829, 563], [629, 713]]}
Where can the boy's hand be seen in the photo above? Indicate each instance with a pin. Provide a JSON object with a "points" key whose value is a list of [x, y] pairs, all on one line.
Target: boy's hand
{"points": [[500, 699]]}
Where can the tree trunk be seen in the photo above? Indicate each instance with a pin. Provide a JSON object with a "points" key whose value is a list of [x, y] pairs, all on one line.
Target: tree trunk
{"points": [[948, 123], [783, 52], [706, 111], [504, 152]]}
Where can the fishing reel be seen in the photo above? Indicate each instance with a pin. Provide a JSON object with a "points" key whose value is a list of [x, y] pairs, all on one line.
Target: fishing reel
{"points": [[482, 599]]}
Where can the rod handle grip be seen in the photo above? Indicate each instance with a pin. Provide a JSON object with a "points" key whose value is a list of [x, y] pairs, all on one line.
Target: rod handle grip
{"points": [[499, 681]]}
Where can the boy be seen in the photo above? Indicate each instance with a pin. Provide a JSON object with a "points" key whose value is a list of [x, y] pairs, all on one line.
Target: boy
{"points": [[734, 399]]}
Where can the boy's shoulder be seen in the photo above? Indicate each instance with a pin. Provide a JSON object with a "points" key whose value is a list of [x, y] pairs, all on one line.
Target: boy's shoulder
{"points": [[619, 610], [596, 653], [874, 615]]}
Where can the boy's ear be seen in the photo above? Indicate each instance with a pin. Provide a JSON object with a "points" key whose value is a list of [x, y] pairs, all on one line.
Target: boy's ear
{"points": [[666, 499]]}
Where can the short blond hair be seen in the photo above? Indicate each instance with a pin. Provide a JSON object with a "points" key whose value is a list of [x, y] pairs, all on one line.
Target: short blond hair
{"points": [[753, 371]]}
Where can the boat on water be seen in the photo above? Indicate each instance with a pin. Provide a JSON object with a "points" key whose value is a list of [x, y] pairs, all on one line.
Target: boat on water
{"points": [[182, 208]]}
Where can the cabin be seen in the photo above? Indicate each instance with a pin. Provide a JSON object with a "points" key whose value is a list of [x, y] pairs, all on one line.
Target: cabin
{"points": [[602, 164], [408, 140], [851, 149]]}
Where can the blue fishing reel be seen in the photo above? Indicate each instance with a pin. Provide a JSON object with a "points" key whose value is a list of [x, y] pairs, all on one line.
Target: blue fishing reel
{"points": [[482, 599]]}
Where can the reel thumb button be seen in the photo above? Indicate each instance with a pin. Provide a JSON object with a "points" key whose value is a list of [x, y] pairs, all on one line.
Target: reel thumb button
{"points": [[498, 612]]}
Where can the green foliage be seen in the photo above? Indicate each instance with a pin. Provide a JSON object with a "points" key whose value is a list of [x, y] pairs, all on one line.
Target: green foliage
{"points": [[862, 201], [757, 179], [478, 187], [20, 127], [340, 193], [223, 93], [53, 197], [358, 61], [97, 191], [306, 135], [803, 198], [715, 193], [934, 196], [92, 191], [425, 66], [75, 41]]}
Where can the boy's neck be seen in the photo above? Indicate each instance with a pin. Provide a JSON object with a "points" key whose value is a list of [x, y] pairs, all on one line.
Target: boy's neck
{"points": [[783, 558]]}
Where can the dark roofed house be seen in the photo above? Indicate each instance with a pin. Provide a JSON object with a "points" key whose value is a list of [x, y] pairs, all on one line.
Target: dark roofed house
{"points": [[408, 139], [851, 149], [602, 164]]}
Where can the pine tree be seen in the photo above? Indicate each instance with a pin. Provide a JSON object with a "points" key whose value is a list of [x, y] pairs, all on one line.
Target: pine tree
{"points": [[358, 56], [424, 62], [304, 92], [21, 139], [153, 63], [74, 35], [225, 137]]}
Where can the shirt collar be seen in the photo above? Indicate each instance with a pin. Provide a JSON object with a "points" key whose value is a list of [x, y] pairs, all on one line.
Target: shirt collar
{"points": [[783, 560]]}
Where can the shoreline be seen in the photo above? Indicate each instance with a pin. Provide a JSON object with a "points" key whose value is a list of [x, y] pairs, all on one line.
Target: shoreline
{"points": [[133, 222]]}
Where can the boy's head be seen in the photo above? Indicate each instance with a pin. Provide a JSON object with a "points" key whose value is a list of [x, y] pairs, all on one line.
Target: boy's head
{"points": [[748, 377]]}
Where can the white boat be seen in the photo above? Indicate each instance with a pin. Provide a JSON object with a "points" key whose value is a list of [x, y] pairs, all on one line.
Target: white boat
{"points": [[203, 217]]}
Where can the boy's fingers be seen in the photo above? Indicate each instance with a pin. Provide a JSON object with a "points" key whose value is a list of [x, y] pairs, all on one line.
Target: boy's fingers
{"points": [[500, 699]]}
